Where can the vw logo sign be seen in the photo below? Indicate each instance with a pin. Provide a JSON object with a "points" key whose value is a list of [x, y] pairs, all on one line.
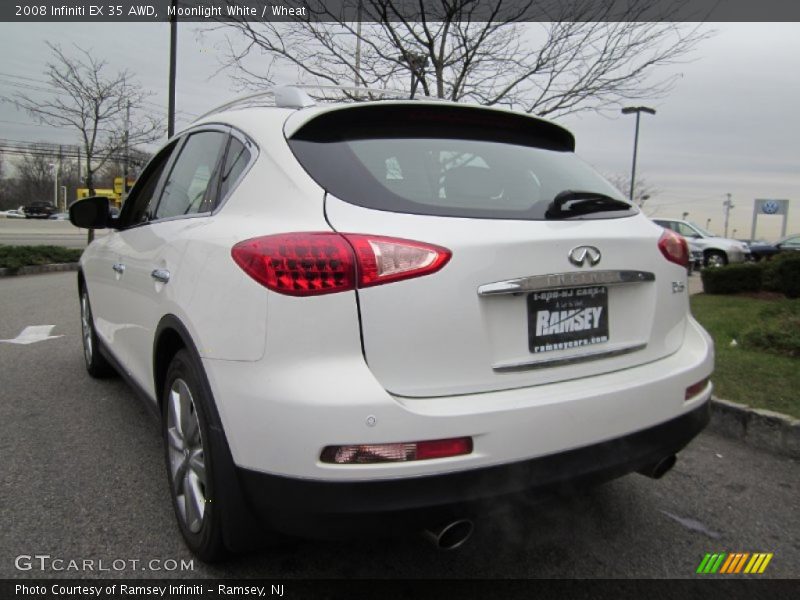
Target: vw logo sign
{"points": [[770, 207], [580, 255]]}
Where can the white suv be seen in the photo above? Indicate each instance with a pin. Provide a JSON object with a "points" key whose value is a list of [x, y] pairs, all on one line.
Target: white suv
{"points": [[388, 312]]}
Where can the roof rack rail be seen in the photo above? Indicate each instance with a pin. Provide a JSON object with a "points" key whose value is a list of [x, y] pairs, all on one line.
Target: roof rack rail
{"points": [[295, 96]]}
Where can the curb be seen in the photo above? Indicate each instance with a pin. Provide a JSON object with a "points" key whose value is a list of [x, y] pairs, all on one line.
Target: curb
{"points": [[756, 427], [36, 269]]}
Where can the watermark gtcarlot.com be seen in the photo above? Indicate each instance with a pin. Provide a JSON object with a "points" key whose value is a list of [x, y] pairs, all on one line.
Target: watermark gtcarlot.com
{"points": [[46, 562]]}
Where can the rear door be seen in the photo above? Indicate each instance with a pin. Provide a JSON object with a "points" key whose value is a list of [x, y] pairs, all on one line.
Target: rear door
{"points": [[537, 289], [150, 249]]}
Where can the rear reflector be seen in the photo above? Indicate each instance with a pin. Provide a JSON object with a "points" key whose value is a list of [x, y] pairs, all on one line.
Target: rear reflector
{"points": [[674, 248], [363, 454], [696, 388], [314, 263]]}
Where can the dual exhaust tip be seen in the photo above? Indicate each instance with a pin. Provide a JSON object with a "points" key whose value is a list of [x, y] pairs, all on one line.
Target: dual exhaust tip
{"points": [[455, 534]]}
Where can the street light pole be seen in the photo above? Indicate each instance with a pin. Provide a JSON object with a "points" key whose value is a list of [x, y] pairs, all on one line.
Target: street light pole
{"points": [[173, 43], [626, 111]]}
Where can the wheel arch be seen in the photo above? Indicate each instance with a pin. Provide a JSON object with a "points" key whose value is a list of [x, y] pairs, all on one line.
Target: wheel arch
{"points": [[171, 336], [714, 250]]}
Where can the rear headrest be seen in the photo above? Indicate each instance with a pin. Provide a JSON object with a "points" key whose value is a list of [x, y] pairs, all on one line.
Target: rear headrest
{"points": [[471, 183]]}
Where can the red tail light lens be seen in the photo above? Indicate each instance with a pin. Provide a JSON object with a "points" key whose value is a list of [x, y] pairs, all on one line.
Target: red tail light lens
{"points": [[364, 454], [674, 248], [383, 259], [314, 263], [298, 264]]}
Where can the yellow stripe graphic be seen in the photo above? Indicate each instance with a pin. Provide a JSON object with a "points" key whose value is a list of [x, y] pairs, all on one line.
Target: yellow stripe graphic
{"points": [[765, 563], [727, 564], [754, 562]]}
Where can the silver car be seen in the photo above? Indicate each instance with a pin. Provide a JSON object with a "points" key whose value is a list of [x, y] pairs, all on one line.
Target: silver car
{"points": [[717, 251]]}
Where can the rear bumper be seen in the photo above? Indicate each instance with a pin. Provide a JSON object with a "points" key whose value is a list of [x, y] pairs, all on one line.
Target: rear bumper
{"points": [[314, 507]]}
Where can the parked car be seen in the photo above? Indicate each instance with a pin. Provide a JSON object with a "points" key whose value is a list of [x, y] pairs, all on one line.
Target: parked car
{"points": [[12, 214], [717, 251], [761, 249], [696, 258], [38, 210], [386, 314], [789, 243], [59, 216]]}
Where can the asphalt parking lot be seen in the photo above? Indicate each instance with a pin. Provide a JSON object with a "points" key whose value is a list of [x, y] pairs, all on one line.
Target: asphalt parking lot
{"points": [[29, 232], [83, 478]]}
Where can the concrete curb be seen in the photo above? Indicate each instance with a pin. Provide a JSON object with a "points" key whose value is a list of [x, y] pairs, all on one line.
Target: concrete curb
{"points": [[764, 429], [36, 269]]}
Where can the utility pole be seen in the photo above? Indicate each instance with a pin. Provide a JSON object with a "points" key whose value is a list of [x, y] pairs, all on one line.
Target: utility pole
{"points": [[127, 152], [58, 171], [727, 206], [358, 46]]}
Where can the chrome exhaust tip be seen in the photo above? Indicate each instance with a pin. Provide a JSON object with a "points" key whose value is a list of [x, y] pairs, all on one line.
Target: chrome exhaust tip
{"points": [[451, 535]]}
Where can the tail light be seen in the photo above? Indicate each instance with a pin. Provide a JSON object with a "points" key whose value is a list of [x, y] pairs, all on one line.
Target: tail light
{"points": [[674, 248], [313, 263], [362, 454]]}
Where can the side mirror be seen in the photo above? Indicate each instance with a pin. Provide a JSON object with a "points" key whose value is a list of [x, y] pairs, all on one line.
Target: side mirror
{"points": [[90, 213]]}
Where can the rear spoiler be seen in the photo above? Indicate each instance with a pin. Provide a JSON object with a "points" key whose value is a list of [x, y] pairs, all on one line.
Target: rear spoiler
{"points": [[424, 120]]}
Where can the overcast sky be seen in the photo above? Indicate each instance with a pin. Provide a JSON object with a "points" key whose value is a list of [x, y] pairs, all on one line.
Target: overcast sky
{"points": [[731, 124]]}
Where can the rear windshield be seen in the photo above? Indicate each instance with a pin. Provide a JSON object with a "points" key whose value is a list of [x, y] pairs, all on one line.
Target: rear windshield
{"points": [[444, 170]]}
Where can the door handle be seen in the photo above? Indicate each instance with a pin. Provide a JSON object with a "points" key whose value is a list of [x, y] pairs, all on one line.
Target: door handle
{"points": [[118, 267], [160, 275]]}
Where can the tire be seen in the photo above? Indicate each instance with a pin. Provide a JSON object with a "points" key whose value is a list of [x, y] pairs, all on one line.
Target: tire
{"points": [[190, 458], [716, 259], [96, 364]]}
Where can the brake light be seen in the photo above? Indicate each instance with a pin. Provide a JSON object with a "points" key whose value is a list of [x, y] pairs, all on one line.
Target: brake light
{"points": [[314, 263], [362, 454], [674, 248], [298, 264]]}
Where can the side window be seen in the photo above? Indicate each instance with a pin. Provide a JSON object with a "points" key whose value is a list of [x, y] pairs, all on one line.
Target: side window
{"points": [[141, 201], [191, 186], [686, 231], [236, 160]]}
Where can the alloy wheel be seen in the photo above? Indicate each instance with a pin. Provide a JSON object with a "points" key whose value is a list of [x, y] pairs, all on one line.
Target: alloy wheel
{"points": [[186, 457]]}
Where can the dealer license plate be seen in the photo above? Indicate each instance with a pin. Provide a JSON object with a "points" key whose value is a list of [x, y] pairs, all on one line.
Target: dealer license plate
{"points": [[567, 318]]}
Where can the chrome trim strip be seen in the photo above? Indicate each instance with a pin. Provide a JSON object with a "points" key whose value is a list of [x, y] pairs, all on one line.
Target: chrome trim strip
{"points": [[551, 281], [566, 360]]}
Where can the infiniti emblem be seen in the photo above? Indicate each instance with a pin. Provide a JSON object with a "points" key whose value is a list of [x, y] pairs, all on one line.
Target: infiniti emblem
{"points": [[580, 255]]}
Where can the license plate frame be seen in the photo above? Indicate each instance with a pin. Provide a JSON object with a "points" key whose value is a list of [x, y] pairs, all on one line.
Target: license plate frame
{"points": [[567, 318]]}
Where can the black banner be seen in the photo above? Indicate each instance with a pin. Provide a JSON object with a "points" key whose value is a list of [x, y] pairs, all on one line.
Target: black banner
{"points": [[387, 589], [103, 11]]}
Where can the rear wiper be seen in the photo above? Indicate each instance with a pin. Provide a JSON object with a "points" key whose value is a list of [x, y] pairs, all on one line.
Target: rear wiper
{"points": [[571, 203]]}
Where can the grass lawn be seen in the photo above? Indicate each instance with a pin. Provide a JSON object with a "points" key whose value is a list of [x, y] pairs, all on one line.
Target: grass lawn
{"points": [[14, 257], [751, 376]]}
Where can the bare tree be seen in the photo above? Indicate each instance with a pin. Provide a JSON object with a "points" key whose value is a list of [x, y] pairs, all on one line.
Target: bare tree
{"points": [[586, 58], [34, 180], [642, 190], [105, 109]]}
